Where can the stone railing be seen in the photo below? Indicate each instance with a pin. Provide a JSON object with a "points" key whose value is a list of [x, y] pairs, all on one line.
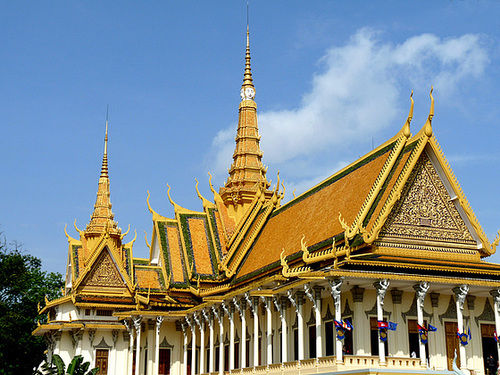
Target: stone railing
{"points": [[328, 364]]}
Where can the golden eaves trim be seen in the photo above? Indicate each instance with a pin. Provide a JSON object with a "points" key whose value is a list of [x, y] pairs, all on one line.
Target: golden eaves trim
{"points": [[55, 302], [376, 187], [395, 194]]}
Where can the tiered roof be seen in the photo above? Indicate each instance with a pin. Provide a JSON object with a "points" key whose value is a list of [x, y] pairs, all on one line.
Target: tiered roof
{"points": [[399, 203]]}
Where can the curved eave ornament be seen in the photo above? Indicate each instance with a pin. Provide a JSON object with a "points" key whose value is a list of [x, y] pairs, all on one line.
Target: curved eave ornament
{"points": [[288, 272]]}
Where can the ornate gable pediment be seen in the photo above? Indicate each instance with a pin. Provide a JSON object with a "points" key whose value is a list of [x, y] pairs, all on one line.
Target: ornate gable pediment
{"points": [[104, 273], [426, 213]]}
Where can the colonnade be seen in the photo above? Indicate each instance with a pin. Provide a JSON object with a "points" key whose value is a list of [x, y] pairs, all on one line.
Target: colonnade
{"points": [[221, 318]]}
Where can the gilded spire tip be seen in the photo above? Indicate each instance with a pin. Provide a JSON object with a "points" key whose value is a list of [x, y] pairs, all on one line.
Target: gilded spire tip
{"points": [[247, 91], [104, 168]]}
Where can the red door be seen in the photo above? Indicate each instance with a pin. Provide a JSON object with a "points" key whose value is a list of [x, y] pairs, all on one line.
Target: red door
{"points": [[164, 363], [101, 361]]}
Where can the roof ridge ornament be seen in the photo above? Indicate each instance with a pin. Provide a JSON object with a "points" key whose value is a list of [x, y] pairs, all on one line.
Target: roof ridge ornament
{"points": [[428, 124], [406, 126]]}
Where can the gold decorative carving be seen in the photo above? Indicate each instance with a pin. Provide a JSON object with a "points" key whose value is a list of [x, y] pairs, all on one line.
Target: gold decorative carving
{"points": [[425, 210], [104, 273]]}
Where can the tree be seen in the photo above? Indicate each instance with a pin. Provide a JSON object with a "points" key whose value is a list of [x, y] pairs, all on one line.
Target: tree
{"points": [[57, 367], [23, 287]]}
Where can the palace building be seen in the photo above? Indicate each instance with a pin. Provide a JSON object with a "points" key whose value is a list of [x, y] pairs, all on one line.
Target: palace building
{"points": [[378, 269]]}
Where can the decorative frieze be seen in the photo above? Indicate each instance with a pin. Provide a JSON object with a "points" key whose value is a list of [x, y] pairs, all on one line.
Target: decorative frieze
{"points": [[426, 210]]}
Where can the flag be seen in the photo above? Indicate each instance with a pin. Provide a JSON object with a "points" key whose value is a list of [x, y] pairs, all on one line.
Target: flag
{"points": [[392, 326], [340, 333], [383, 334], [431, 328], [470, 336], [495, 336], [349, 325], [382, 324], [338, 324], [463, 339], [423, 337], [421, 328]]}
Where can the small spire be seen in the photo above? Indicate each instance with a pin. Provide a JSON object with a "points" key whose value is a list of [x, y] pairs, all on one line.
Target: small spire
{"points": [[102, 218]]}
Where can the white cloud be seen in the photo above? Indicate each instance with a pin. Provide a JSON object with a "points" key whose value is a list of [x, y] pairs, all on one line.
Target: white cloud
{"points": [[356, 93]]}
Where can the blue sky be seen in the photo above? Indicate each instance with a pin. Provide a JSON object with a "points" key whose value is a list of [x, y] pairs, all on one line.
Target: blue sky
{"points": [[332, 77]]}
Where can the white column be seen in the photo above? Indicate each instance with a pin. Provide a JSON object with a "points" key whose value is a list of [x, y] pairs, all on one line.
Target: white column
{"points": [[151, 349], [335, 286], [115, 333], [219, 315], [496, 309], [269, 331], [221, 345], [159, 320], [435, 345], [397, 346], [284, 327], [207, 320], [185, 348], [255, 331], [137, 325], [212, 346], [130, 328], [421, 290], [460, 294], [293, 301], [381, 287], [202, 342], [193, 345], [360, 344], [300, 323], [241, 306], [232, 330], [319, 323]]}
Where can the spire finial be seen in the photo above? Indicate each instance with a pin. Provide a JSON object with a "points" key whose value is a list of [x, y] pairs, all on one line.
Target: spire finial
{"points": [[104, 168], [247, 89]]}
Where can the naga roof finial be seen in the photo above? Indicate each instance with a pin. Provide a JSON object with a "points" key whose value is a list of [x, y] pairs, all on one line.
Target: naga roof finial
{"points": [[406, 127], [428, 124]]}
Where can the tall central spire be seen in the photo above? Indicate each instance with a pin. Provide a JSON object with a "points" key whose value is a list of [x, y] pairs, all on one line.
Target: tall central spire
{"points": [[247, 174], [102, 218]]}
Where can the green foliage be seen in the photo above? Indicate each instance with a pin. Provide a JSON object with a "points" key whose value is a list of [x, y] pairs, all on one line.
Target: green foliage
{"points": [[75, 367], [23, 285]]}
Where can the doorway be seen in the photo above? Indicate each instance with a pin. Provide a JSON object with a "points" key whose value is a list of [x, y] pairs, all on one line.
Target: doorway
{"points": [[489, 345], [164, 362], [452, 343], [101, 361]]}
